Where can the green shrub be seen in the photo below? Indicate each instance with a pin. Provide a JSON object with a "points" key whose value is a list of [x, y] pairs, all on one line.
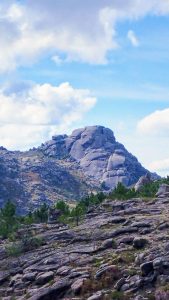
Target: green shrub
{"points": [[116, 295], [63, 207], [14, 249], [30, 242], [27, 243], [8, 220], [40, 215]]}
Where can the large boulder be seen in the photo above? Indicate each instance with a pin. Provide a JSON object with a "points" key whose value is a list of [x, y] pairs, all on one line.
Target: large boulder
{"points": [[163, 191], [143, 180]]}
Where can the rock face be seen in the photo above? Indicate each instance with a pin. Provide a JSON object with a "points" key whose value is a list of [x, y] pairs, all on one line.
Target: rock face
{"points": [[67, 167], [98, 155], [31, 178]]}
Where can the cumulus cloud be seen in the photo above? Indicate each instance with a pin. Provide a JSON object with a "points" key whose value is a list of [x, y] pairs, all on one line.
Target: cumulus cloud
{"points": [[153, 132], [160, 165], [33, 113], [132, 38], [156, 123], [82, 30]]}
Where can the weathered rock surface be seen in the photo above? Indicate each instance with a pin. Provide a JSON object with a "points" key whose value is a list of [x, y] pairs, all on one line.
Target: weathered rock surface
{"points": [[99, 155], [106, 256], [163, 191], [67, 167], [143, 180]]}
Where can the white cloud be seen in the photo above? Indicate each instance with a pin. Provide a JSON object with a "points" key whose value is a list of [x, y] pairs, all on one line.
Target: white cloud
{"points": [[132, 38], [57, 60], [83, 30], [153, 132], [156, 123], [160, 165], [32, 114]]}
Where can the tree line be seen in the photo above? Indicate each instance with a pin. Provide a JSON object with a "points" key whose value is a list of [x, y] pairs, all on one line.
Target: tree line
{"points": [[10, 222]]}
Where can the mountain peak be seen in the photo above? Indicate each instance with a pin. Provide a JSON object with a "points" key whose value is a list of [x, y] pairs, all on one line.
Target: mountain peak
{"points": [[98, 155], [67, 167]]}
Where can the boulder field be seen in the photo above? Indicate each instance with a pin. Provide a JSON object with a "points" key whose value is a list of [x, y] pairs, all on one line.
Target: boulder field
{"points": [[119, 251]]}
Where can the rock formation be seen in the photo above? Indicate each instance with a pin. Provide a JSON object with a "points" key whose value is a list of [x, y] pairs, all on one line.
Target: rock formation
{"points": [[143, 180], [98, 155], [67, 167], [163, 191]]}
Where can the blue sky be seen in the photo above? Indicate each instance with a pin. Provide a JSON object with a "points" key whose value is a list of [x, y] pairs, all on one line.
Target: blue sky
{"points": [[67, 65]]}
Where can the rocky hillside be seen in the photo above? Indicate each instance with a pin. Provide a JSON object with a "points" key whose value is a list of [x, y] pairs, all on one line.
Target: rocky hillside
{"points": [[67, 167], [30, 179], [120, 251]]}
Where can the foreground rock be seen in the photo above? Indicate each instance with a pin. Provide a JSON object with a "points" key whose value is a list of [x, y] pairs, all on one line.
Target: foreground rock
{"points": [[111, 254]]}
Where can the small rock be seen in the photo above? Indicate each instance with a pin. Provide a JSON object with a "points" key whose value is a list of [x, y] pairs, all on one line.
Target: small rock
{"points": [[117, 220], [126, 240], [109, 243], [20, 285], [44, 278], [125, 287], [29, 276], [146, 268], [141, 224], [63, 271], [15, 279], [163, 226], [107, 269], [96, 296], [56, 291], [166, 247], [139, 258], [4, 276], [119, 284], [158, 263], [136, 282], [139, 243], [163, 279], [77, 285]]}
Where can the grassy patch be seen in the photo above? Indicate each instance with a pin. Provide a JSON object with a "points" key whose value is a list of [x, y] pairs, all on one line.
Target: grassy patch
{"points": [[26, 244], [106, 281], [116, 295], [14, 249]]}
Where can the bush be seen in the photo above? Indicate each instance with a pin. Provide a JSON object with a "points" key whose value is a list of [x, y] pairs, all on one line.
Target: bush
{"points": [[116, 295], [122, 193], [77, 213], [8, 220], [63, 207], [40, 215], [30, 242], [27, 243], [13, 249]]}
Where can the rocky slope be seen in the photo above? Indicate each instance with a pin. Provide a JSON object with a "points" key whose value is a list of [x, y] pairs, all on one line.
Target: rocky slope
{"points": [[120, 251], [30, 179], [67, 167]]}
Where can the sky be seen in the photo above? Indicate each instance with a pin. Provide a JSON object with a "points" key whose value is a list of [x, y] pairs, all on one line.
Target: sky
{"points": [[66, 64]]}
